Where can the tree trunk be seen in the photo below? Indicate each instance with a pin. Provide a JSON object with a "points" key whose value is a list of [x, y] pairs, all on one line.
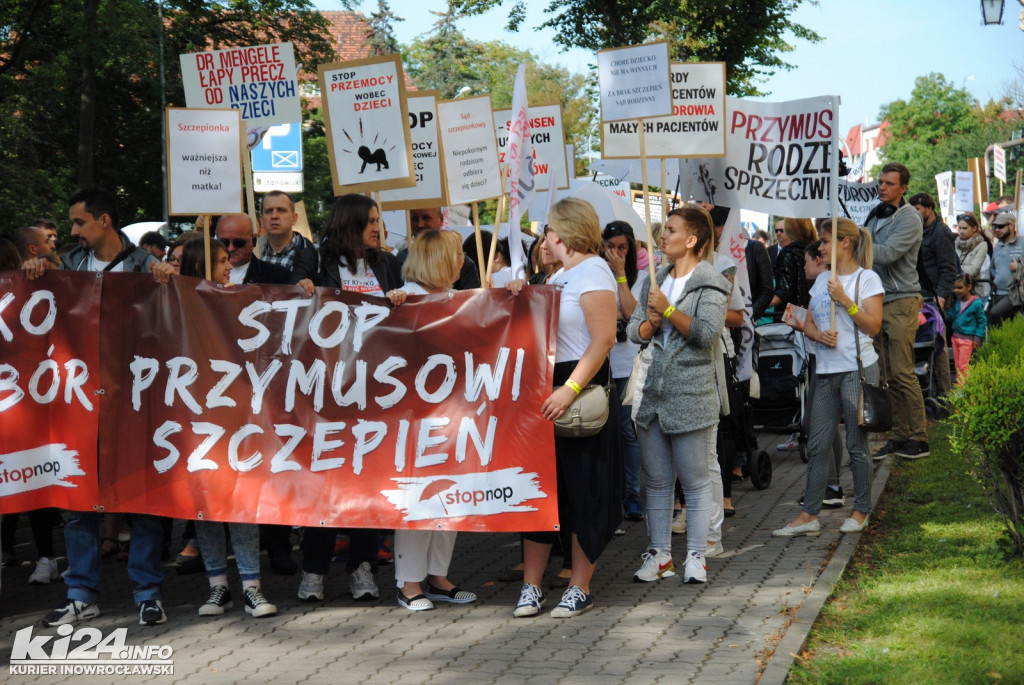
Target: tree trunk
{"points": [[87, 107]]}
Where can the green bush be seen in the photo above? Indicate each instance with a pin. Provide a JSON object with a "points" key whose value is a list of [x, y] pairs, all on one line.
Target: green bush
{"points": [[988, 425]]}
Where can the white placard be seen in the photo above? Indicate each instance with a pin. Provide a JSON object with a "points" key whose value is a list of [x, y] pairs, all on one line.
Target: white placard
{"points": [[548, 140], [470, 149], [858, 198], [634, 81], [964, 190], [204, 161], [259, 81], [944, 186], [779, 159], [367, 133], [696, 127], [999, 163], [288, 181], [429, 190]]}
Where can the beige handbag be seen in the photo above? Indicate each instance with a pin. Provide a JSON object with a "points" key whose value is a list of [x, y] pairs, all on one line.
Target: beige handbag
{"points": [[586, 415]]}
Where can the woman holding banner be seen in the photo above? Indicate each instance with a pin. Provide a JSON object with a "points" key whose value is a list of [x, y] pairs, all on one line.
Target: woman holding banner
{"points": [[589, 469], [350, 260], [857, 292], [434, 264], [677, 417]]}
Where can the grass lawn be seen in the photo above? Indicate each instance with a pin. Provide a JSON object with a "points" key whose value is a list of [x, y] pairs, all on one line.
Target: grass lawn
{"points": [[928, 597]]}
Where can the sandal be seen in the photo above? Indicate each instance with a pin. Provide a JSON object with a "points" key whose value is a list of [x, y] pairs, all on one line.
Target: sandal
{"points": [[109, 547]]}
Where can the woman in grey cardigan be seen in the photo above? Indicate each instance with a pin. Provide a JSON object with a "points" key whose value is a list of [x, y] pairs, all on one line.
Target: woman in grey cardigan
{"points": [[677, 417]]}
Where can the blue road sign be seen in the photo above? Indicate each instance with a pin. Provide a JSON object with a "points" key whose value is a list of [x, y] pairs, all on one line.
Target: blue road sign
{"points": [[280, 149]]}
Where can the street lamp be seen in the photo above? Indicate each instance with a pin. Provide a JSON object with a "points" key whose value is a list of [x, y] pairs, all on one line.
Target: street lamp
{"points": [[992, 11]]}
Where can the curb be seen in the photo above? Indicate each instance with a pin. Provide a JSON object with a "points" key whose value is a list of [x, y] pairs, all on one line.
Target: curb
{"points": [[784, 656]]}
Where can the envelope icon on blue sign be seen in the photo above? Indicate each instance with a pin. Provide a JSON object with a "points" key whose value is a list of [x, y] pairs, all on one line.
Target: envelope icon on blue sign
{"points": [[288, 159]]}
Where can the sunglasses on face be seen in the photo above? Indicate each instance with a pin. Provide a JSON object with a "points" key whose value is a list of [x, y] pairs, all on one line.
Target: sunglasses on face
{"points": [[237, 243]]}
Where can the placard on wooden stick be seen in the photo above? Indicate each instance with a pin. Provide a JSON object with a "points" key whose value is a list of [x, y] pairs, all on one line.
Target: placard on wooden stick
{"points": [[204, 161], [428, 163], [696, 127], [365, 110], [634, 81], [547, 136], [470, 149]]}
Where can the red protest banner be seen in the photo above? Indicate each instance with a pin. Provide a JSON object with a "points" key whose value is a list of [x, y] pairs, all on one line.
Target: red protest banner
{"points": [[49, 385], [262, 404]]}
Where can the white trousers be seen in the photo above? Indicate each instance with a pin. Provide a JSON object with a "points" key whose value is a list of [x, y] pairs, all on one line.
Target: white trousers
{"points": [[419, 553]]}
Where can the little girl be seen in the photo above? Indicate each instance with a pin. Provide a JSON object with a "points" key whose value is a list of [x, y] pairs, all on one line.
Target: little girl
{"points": [[966, 318]]}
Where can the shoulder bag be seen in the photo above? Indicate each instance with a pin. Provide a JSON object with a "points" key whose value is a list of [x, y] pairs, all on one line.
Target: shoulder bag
{"points": [[874, 409]]}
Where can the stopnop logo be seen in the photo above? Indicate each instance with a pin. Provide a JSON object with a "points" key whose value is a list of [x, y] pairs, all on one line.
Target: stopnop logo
{"points": [[87, 651], [476, 494]]}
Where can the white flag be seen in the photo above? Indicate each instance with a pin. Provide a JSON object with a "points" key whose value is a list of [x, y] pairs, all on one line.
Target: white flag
{"points": [[519, 153]]}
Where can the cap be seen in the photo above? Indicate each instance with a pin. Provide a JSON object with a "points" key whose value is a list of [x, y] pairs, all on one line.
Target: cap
{"points": [[1004, 218], [990, 208]]}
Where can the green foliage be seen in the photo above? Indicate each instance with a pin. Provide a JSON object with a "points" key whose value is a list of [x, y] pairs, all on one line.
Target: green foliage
{"points": [[45, 151], [939, 128], [988, 425], [381, 36], [749, 37], [490, 67], [927, 597]]}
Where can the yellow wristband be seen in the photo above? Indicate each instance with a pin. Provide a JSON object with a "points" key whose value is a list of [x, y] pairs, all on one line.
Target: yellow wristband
{"points": [[620, 279], [853, 309], [574, 385], [668, 312]]}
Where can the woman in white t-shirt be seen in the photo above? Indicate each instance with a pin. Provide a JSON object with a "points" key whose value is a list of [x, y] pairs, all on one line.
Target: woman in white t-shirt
{"points": [[422, 557], [857, 292], [589, 469]]}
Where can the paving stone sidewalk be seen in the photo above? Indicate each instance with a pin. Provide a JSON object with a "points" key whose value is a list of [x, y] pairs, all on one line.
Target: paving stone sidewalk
{"points": [[665, 632]]}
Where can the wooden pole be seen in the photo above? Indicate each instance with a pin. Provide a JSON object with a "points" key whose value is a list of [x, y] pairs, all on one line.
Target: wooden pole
{"points": [[375, 196], [664, 200], [250, 197], [834, 207], [1016, 192], [835, 239], [647, 206], [207, 230], [494, 240], [479, 243]]}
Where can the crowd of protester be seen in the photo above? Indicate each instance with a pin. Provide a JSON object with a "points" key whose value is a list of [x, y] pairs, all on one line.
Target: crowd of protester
{"points": [[669, 349]]}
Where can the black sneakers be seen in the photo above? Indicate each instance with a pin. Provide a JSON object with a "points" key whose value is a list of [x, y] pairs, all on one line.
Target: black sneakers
{"points": [[913, 449], [889, 448]]}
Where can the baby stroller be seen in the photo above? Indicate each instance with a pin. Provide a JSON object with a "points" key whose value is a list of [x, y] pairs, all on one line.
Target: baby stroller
{"points": [[928, 353], [781, 358]]}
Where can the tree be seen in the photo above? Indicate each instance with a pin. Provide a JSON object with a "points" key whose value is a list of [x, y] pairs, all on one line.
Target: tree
{"points": [[381, 36], [491, 67], [939, 128], [80, 89], [445, 61], [748, 36]]}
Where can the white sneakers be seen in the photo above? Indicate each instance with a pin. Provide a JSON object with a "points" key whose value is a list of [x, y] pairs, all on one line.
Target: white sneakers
{"points": [[679, 523], [44, 573], [696, 570], [361, 582], [657, 565], [311, 589]]}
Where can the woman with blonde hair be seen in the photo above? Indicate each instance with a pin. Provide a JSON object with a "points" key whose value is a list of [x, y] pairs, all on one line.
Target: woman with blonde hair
{"points": [[857, 292], [589, 469], [422, 557], [791, 284]]}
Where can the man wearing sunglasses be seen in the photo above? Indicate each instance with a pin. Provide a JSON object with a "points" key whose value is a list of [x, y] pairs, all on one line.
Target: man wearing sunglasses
{"points": [[1007, 258], [235, 232]]}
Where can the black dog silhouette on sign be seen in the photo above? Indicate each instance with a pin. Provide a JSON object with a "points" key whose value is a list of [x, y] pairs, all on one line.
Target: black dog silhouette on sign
{"points": [[377, 157]]}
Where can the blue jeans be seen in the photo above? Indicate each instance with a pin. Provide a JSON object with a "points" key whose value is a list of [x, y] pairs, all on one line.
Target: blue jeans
{"points": [[245, 542], [82, 540], [687, 455], [630, 446]]}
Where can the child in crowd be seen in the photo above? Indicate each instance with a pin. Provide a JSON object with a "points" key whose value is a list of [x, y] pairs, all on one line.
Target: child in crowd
{"points": [[966, 317]]}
